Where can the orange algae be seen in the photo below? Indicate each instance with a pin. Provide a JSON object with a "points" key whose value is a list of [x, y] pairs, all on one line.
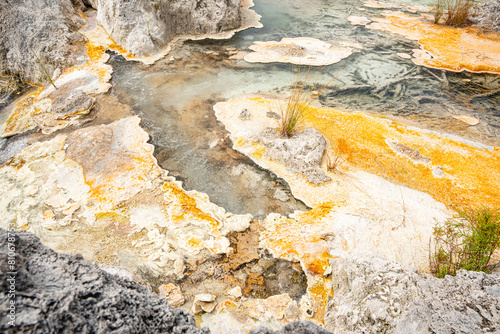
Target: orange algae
{"points": [[472, 175], [185, 207], [20, 119], [321, 291], [453, 49], [311, 250]]}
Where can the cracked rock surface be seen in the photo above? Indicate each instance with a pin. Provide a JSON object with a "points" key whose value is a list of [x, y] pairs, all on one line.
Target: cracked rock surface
{"points": [[67, 294], [486, 15], [373, 295], [49, 28], [301, 153]]}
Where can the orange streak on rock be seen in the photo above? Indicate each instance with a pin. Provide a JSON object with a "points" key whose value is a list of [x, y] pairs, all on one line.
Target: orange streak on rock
{"points": [[453, 49], [472, 175]]}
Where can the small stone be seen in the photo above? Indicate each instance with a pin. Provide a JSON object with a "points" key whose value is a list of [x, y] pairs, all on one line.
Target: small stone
{"points": [[49, 214], [280, 195], [72, 103], [404, 55], [205, 297], [245, 114], [272, 114], [467, 119], [235, 292], [70, 209], [438, 171], [203, 302], [359, 20], [208, 307], [172, 293]]}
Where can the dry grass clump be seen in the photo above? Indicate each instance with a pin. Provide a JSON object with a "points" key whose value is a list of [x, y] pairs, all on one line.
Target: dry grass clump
{"points": [[333, 163], [305, 90], [466, 241], [457, 11]]}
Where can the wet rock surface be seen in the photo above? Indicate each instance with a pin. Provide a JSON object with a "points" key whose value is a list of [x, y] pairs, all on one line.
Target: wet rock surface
{"points": [[67, 294], [486, 15], [46, 27], [376, 295], [143, 27]]}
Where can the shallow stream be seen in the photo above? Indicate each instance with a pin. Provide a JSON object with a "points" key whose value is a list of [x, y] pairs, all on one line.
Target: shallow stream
{"points": [[175, 96]]}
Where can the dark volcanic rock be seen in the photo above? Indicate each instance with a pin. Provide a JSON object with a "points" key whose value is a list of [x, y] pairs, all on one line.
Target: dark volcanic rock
{"points": [[298, 327], [58, 293]]}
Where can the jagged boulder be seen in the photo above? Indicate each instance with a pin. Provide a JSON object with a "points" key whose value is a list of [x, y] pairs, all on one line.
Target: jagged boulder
{"points": [[372, 295], [45, 28], [144, 26], [58, 293], [486, 15], [302, 152]]}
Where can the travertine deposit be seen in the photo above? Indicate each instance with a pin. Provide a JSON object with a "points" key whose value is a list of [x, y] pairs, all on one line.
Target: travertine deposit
{"points": [[99, 192], [448, 48], [301, 50]]}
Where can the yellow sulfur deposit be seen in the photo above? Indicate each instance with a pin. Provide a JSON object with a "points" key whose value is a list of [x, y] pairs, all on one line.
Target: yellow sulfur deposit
{"points": [[447, 48]]}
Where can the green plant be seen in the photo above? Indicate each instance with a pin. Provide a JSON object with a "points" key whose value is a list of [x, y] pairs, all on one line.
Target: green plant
{"points": [[41, 62], [458, 11], [466, 241]]}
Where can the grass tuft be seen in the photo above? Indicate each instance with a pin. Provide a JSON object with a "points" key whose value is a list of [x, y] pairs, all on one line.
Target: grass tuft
{"points": [[458, 11], [333, 162], [305, 90], [466, 241]]}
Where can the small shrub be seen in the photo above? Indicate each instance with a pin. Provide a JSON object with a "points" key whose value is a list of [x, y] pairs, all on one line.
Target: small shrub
{"points": [[466, 241], [458, 11]]}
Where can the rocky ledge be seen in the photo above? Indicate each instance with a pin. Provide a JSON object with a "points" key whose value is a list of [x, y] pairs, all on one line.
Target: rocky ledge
{"points": [[486, 15], [373, 295], [39, 39], [67, 294]]}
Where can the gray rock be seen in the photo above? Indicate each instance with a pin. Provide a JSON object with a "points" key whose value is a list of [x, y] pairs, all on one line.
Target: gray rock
{"points": [[486, 15], [58, 293], [144, 26], [297, 327], [48, 27], [72, 103], [70, 109], [373, 295], [302, 152]]}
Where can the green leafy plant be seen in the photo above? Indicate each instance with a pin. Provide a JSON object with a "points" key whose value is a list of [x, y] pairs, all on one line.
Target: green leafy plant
{"points": [[457, 11], [41, 61], [466, 241]]}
